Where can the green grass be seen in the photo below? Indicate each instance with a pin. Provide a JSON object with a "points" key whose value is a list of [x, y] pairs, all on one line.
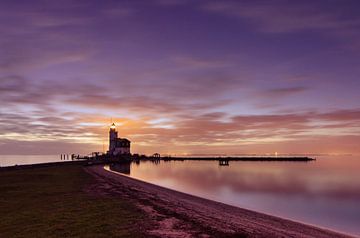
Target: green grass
{"points": [[50, 202]]}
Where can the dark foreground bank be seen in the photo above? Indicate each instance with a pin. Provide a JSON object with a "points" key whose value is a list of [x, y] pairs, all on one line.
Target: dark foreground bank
{"points": [[51, 201]]}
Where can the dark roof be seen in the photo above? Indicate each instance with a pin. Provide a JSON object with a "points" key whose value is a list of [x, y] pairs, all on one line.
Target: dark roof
{"points": [[122, 143]]}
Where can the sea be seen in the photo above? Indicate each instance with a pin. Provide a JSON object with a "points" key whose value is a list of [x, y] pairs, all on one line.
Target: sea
{"points": [[10, 160], [324, 192]]}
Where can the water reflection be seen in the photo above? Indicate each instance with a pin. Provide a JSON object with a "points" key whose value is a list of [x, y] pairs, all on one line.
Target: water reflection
{"points": [[323, 192], [123, 168]]}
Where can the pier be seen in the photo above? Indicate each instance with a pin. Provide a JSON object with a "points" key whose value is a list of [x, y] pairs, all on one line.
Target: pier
{"points": [[224, 162], [248, 158]]}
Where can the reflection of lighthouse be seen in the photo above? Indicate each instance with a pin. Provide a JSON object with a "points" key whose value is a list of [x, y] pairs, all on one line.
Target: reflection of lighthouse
{"points": [[123, 168], [117, 146]]}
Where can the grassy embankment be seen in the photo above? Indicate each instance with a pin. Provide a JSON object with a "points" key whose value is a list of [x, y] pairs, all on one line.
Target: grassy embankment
{"points": [[50, 202]]}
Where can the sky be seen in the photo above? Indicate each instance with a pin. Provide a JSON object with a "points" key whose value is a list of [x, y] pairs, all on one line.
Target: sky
{"points": [[180, 77]]}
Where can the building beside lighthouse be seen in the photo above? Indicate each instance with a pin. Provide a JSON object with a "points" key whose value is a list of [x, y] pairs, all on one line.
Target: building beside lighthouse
{"points": [[117, 146]]}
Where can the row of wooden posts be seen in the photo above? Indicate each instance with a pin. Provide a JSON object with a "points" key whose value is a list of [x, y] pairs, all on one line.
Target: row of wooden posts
{"points": [[65, 157]]}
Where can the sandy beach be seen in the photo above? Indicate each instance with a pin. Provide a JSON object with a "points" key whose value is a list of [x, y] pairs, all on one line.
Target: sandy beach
{"points": [[175, 214]]}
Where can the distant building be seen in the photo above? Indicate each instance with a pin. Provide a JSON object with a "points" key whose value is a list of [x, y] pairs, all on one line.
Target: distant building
{"points": [[156, 155], [117, 146]]}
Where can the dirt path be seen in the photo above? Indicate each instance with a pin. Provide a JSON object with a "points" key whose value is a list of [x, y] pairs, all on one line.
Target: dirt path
{"points": [[176, 214]]}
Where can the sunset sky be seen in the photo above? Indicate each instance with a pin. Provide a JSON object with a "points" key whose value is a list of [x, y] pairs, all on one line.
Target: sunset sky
{"points": [[180, 76]]}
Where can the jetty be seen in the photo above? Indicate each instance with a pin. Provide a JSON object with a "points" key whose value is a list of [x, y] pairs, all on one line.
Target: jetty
{"points": [[246, 158]]}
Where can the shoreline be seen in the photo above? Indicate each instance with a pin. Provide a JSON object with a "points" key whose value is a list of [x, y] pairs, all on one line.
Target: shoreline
{"points": [[234, 206], [184, 214]]}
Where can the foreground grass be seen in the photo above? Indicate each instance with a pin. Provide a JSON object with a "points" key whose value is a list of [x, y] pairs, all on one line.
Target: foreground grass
{"points": [[50, 202]]}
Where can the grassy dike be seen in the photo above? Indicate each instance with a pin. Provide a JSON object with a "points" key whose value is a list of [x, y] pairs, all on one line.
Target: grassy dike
{"points": [[51, 202]]}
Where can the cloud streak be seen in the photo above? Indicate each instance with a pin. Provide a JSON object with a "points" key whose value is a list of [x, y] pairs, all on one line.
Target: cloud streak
{"points": [[278, 16]]}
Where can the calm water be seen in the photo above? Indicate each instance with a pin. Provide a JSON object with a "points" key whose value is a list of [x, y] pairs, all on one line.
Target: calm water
{"points": [[8, 160], [325, 192]]}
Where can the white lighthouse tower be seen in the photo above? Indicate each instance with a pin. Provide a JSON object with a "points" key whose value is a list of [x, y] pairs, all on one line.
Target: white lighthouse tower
{"points": [[117, 146], [113, 135]]}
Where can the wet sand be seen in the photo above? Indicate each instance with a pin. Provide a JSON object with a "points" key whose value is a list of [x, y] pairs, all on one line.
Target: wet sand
{"points": [[176, 214]]}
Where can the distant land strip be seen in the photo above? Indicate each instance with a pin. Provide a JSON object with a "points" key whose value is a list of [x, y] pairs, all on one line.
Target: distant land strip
{"points": [[246, 158], [119, 160]]}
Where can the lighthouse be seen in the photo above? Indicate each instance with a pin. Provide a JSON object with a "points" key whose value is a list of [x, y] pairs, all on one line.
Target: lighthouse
{"points": [[113, 135], [117, 146]]}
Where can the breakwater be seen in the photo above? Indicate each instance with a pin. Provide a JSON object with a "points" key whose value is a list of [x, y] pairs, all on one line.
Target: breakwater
{"points": [[247, 158]]}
